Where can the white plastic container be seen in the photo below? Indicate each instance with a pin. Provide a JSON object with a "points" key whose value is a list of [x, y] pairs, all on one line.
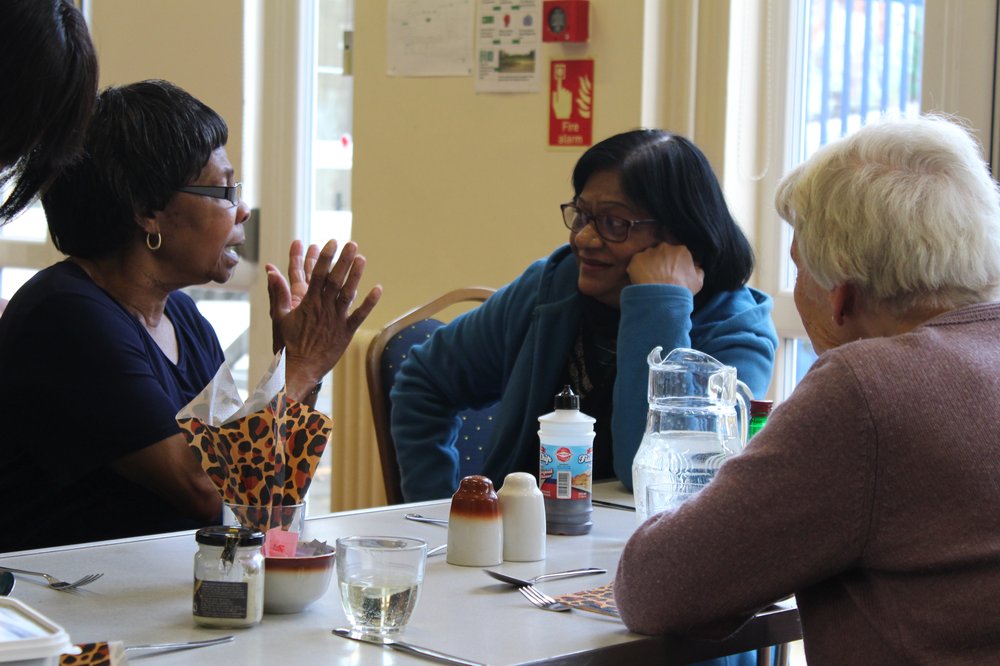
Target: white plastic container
{"points": [[28, 638], [566, 465]]}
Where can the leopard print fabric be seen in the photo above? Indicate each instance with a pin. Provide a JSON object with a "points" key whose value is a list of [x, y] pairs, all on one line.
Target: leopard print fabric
{"points": [[244, 460], [91, 654]]}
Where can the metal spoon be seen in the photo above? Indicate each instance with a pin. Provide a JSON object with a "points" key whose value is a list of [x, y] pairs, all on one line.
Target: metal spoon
{"points": [[424, 519], [521, 582], [6, 583]]}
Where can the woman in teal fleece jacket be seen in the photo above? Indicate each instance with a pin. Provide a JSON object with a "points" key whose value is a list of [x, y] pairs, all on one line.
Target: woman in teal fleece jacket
{"points": [[654, 258]]}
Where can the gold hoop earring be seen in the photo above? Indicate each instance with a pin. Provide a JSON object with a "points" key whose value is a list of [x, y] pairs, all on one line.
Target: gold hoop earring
{"points": [[149, 242]]}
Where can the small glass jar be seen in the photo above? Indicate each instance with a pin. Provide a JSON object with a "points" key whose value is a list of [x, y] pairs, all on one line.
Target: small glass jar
{"points": [[228, 577]]}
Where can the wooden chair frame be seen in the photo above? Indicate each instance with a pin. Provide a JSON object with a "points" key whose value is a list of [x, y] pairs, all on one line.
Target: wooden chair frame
{"points": [[376, 392]]}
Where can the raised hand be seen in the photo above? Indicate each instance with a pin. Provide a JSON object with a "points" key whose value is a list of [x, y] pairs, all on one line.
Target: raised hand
{"points": [[300, 269], [311, 315]]}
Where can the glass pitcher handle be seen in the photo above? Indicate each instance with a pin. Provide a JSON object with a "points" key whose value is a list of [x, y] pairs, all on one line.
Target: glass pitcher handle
{"points": [[743, 397]]}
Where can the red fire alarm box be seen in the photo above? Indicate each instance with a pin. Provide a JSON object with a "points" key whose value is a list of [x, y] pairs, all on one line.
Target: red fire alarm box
{"points": [[565, 20]]}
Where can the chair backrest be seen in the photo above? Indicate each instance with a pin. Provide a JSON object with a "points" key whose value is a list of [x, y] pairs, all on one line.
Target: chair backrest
{"points": [[386, 351]]}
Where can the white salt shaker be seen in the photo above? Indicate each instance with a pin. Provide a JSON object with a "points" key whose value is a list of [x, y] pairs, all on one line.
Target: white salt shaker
{"points": [[523, 509], [475, 527]]}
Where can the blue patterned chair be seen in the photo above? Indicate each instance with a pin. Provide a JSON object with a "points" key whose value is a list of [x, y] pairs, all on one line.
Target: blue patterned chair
{"points": [[385, 353]]}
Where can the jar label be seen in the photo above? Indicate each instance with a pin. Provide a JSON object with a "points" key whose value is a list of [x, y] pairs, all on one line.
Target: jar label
{"points": [[566, 471], [219, 599]]}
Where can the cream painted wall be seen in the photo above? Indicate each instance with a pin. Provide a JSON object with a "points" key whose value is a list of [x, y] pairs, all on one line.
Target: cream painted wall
{"points": [[452, 188], [196, 44]]}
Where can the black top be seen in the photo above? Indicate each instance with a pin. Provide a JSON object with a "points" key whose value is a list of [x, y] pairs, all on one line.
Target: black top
{"points": [[590, 371], [84, 384]]}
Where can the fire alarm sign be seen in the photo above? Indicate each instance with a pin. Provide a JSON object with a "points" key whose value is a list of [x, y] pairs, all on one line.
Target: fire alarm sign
{"points": [[571, 103]]}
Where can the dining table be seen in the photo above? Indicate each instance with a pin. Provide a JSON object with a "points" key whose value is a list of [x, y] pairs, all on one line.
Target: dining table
{"points": [[145, 596]]}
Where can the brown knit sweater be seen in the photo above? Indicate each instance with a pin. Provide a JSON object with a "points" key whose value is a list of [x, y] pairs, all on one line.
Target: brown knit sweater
{"points": [[873, 495]]}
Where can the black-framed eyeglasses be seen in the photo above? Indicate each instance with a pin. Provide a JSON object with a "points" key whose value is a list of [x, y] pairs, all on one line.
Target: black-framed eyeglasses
{"points": [[611, 228], [231, 193]]}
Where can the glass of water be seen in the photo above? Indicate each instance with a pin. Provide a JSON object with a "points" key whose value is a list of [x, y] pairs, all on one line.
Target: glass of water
{"points": [[380, 578]]}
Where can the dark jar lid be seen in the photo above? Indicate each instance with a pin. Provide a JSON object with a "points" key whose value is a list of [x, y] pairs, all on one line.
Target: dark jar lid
{"points": [[220, 535], [760, 407]]}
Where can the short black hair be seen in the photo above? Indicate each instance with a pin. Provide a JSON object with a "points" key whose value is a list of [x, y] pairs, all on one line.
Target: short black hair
{"points": [[671, 180], [145, 140], [48, 84]]}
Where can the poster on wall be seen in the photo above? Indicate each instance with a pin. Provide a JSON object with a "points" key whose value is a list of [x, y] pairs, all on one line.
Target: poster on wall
{"points": [[571, 103], [430, 38], [507, 39]]}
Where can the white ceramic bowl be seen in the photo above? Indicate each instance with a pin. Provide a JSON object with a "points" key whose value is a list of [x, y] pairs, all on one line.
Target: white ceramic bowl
{"points": [[292, 583]]}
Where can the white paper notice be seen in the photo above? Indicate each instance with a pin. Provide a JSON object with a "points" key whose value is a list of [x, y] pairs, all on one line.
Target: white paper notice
{"points": [[507, 41], [430, 37]]}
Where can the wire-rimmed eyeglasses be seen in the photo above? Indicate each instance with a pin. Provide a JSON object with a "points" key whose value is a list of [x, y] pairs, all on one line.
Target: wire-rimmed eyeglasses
{"points": [[611, 228], [231, 193]]}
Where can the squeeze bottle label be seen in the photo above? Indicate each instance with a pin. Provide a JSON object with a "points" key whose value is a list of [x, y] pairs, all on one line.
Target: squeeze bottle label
{"points": [[566, 471]]}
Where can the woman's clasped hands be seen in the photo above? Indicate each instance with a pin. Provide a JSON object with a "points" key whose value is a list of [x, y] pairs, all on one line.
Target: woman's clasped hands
{"points": [[311, 313]]}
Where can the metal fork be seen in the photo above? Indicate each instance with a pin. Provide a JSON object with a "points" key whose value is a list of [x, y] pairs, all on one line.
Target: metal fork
{"points": [[543, 601], [54, 582]]}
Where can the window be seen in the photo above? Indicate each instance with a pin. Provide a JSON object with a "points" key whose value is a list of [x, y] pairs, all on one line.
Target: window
{"points": [[850, 61], [305, 101], [24, 249], [333, 144]]}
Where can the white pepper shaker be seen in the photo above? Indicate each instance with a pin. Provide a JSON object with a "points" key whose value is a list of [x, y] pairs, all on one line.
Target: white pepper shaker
{"points": [[523, 509], [475, 526]]}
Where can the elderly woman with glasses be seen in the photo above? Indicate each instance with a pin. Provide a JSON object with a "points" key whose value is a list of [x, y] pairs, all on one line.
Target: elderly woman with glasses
{"points": [[872, 492], [654, 258], [99, 351]]}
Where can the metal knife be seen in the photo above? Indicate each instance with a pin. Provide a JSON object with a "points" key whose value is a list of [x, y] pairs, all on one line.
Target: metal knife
{"points": [[140, 651], [612, 505], [385, 641]]}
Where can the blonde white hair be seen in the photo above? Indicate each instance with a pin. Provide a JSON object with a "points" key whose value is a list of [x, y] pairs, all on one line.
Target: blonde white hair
{"points": [[903, 209]]}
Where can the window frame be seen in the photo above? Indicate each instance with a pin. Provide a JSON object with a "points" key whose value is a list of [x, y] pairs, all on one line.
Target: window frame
{"points": [[766, 58]]}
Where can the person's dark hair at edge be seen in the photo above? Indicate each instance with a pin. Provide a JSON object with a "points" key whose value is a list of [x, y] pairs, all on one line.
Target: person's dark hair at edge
{"points": [[145, 140], [48, 84], [671, 179]]}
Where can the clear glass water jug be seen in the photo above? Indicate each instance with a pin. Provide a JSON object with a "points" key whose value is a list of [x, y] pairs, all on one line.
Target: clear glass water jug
{"points": [[697, 420]]}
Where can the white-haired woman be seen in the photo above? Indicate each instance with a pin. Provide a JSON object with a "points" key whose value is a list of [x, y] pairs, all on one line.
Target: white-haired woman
{"points": [[872, 493]]}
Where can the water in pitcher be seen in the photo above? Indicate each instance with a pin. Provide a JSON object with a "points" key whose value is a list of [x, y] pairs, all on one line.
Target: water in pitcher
{"points": [[697, 419], [685, 459]]}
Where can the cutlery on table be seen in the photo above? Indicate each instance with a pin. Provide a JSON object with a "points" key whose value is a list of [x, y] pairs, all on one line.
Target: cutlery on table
{"points": [[140, 651], [543, 601], [438, 550], [424, 519], [385, 641], [6, 583], [54, 582], [524, 582], [612, 505]]}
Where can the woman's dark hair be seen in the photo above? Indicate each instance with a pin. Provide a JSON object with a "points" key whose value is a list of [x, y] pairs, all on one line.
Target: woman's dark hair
{"points": [[48, 83], [670, 179], [145, 140]]}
